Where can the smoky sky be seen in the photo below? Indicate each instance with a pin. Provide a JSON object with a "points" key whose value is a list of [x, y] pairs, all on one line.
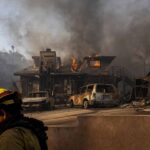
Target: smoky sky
{"points": [[84, 21], [79, 28], [126, 33]]}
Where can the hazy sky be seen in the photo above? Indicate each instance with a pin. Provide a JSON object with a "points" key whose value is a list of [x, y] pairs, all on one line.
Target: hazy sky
{"points": [[30, 26]]}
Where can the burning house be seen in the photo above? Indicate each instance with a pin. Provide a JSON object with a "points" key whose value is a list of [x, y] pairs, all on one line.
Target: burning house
{"points": [[47, 73]]}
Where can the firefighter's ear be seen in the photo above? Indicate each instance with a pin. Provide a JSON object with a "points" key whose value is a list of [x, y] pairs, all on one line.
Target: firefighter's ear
{"points": [[2, 115]]}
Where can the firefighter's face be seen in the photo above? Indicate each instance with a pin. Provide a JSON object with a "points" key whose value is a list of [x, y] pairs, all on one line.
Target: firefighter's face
{"points": [[2, 116]]}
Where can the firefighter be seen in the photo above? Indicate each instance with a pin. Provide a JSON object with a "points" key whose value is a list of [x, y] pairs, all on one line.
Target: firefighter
{"points": [[18, 132]]}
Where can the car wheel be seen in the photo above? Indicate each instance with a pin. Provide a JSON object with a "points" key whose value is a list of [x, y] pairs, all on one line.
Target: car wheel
{"points": [[71, 104], [85, 104]]}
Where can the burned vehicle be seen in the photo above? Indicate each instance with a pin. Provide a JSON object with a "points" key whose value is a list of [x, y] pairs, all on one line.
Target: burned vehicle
{"points": [[94, 95], [38, 100]]}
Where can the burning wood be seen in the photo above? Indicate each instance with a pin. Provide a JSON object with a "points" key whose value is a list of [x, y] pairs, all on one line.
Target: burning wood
{"points": [[94, 61], [95, 64], [90, 61]]}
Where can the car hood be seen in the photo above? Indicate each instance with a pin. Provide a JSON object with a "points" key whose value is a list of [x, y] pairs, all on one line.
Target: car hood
{"points": [[34, 99]]}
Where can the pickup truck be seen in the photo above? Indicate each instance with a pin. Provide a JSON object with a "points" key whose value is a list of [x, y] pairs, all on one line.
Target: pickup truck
{"points": [[95, 94], [40, 99]]}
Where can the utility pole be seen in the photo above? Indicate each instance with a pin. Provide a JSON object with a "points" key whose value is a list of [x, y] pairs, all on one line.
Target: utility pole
{"points": [[144, 62], [13, 49]]}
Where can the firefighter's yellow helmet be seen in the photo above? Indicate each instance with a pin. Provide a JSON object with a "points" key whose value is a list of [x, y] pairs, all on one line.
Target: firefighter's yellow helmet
{"points": [[8, 97], [2, 90]]}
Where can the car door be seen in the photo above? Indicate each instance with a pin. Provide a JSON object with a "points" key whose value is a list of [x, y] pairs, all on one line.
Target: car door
{"points": [[90, 92], [99, 92], [80, 97]]}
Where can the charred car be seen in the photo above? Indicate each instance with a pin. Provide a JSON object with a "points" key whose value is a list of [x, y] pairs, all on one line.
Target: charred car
{"points": [[40, 100], [95, 94]]}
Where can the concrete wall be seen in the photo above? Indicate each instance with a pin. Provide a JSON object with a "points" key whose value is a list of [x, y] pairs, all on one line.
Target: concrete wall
{"points": [[103, 133]]}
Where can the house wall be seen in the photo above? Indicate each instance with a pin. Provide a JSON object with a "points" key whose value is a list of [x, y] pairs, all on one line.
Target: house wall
{"points": [[29, 84]]}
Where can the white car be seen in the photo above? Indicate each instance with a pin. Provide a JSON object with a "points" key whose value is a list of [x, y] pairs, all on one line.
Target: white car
{"points": [[39, 99], [95, 94]]}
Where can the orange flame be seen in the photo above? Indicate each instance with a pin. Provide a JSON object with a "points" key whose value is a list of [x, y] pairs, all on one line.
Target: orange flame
{"points": [[74, 65], [97, 64]]}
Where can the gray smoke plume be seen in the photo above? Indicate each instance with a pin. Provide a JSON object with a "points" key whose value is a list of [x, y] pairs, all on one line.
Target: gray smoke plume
{"points": [[79, 28], [74, 26], [126, 33], [31, 26], [84, 20]]}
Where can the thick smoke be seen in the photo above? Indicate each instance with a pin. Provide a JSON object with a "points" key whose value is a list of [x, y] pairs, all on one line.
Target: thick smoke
{"points": [[112, 27], [126, 33], [84, 21], [72, 26], [32, 26]]}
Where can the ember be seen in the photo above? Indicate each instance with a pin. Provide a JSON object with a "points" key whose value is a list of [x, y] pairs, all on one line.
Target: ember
{"points": [[95, 64]]}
